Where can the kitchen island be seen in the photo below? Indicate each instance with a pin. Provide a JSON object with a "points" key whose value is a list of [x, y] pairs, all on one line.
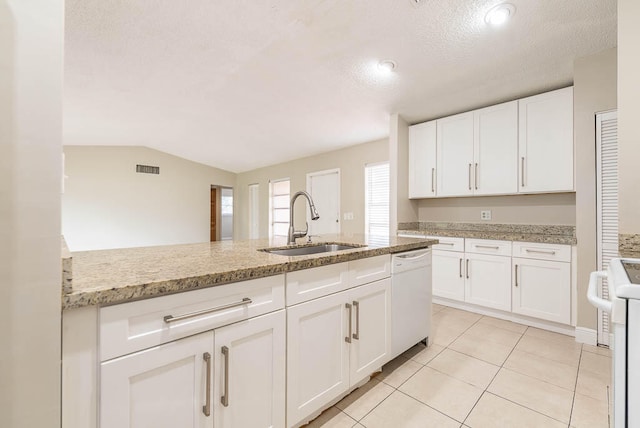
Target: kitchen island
{"points": [[235, 325]]}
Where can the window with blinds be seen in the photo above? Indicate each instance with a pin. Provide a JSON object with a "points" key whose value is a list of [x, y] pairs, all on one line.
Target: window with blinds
{"points": [[226, 213], [376, 199], [607, 205], [279, 207]]}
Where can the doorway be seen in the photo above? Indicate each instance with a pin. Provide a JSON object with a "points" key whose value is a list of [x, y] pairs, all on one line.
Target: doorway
{"points": [[221, 214], [324, 188]]}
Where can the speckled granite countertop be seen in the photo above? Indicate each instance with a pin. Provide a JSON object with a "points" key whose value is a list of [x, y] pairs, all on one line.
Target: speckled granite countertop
{"points": [[549, 234], [116, 276]]}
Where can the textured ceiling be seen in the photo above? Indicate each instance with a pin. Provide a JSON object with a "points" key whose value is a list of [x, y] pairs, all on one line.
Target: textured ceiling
{"points": [[240, 84]]}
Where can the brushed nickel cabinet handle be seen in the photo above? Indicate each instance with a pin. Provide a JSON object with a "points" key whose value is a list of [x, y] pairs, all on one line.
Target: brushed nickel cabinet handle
{"points": [[491, 247], [170, 318], [356, 305], [206, 409], [476, 176], [467, 268], [522, 171], [551, 253], [348, 337], [225, 397], [433, 180], [460, 268], [470, 176], [516, 275]]}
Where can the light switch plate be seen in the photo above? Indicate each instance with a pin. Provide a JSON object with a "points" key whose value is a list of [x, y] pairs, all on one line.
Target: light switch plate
{"points": [[485, 215], [348, 216]]}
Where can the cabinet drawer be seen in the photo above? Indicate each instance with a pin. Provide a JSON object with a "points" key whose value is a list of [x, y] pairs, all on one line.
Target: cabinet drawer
{"points": [[448, 243], [307, 284], [130, 327], [530, 250], [486, 246], [363, 271]]}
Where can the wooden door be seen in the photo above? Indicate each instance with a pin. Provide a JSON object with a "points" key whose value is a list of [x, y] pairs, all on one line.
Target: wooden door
{"points": [[249, 387], [161, 387], [214, 213]]}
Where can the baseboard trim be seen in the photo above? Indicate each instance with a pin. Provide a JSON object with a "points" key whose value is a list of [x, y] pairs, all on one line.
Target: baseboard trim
{"points": [[586, 335]]}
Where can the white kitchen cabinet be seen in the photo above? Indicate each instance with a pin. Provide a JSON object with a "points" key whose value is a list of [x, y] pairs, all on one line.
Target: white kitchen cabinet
{"points": [[371, 329], [249, 375], [488, 280], [333, 343], [448, 274], [317, 354], [542, 289], [422, 160], [495, 150], [161, 387], [546, 142], [455, 155]]}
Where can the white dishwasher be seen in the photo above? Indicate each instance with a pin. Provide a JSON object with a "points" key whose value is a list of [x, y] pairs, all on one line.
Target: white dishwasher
{"points": [[410, 299]]}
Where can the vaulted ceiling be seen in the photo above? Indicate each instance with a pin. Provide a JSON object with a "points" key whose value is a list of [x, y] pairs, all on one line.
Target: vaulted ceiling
{"points": [[240, 84]]}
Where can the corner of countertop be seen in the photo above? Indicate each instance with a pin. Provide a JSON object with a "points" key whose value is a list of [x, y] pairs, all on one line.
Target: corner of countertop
{"points": [[67, 267]]}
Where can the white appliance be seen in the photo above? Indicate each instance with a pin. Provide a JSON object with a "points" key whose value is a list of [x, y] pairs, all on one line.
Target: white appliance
{"points": [[623, 276], [410, 299]]}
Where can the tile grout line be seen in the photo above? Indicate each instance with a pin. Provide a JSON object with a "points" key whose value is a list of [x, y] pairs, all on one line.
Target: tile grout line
{"points": [[575, 388]]}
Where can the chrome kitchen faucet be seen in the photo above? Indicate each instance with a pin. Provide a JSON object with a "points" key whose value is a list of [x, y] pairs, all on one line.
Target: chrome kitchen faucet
{"points": [[293, 234]]}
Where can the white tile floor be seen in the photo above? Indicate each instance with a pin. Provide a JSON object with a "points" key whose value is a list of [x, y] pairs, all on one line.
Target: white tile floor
{"points": [[483, 372]]}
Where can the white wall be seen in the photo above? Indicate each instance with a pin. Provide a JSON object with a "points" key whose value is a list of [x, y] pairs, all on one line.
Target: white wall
{"points": [[628, 114], [401, 208], [31, 42], [107, 204], [350, 161]]}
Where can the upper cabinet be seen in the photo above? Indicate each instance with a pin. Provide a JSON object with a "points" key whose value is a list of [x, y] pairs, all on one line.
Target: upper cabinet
{"points": [[546, 142], [422, 160], [523, 146], [495, 148], [455, 155]]}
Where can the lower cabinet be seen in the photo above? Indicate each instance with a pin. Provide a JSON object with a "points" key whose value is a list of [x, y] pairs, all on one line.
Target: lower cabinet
{"points": [[234, 375], [488, 281], [542, 289], [333, 343], [448, 274]]}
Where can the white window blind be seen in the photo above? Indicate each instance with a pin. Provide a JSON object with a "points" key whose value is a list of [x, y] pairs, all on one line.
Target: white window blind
{"points": [[377, 199], [607, 205], [279, 207], [254, 213]]}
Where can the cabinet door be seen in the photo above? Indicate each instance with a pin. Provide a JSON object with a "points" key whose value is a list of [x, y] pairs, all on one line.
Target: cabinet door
{"points": [[488, 281], [317, 355], [455, 155], [161, 387], [249, 387], [371, 328], [546, 142], [448, 274], [542, 289], [495, 168], [422, 160]]}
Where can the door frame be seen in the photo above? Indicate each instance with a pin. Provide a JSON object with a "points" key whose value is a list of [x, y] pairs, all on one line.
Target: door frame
{"points": [[326, 172]]}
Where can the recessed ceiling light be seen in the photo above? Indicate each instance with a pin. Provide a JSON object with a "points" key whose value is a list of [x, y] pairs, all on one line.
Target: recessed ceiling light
{"points": [[499, 14], [387, 65]]}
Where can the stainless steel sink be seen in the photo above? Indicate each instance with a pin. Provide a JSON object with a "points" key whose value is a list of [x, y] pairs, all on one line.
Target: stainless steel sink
{"points": [[310, 249]]}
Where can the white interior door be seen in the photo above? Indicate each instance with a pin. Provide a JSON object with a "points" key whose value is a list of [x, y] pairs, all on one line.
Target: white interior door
{"points": [[324, 188], [607, 205]]}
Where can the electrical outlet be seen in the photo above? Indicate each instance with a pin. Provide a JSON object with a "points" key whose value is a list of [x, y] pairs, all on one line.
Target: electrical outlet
{"points": [[485, 215], [348, 216]]}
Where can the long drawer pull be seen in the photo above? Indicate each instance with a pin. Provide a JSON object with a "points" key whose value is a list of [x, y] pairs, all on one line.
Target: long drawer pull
{"points": [[516, 275], [433, 180], [460, 268], [446, 243], [491, 247], [470, 165], [348, 337], [467, 268], [476, 177], [206, 409], [522, 172], [225, 397], [356, 305], [551, 252], [170, 318]]}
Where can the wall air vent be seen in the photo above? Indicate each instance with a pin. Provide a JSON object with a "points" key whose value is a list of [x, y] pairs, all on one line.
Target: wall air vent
{"points": [[147, 169]]}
